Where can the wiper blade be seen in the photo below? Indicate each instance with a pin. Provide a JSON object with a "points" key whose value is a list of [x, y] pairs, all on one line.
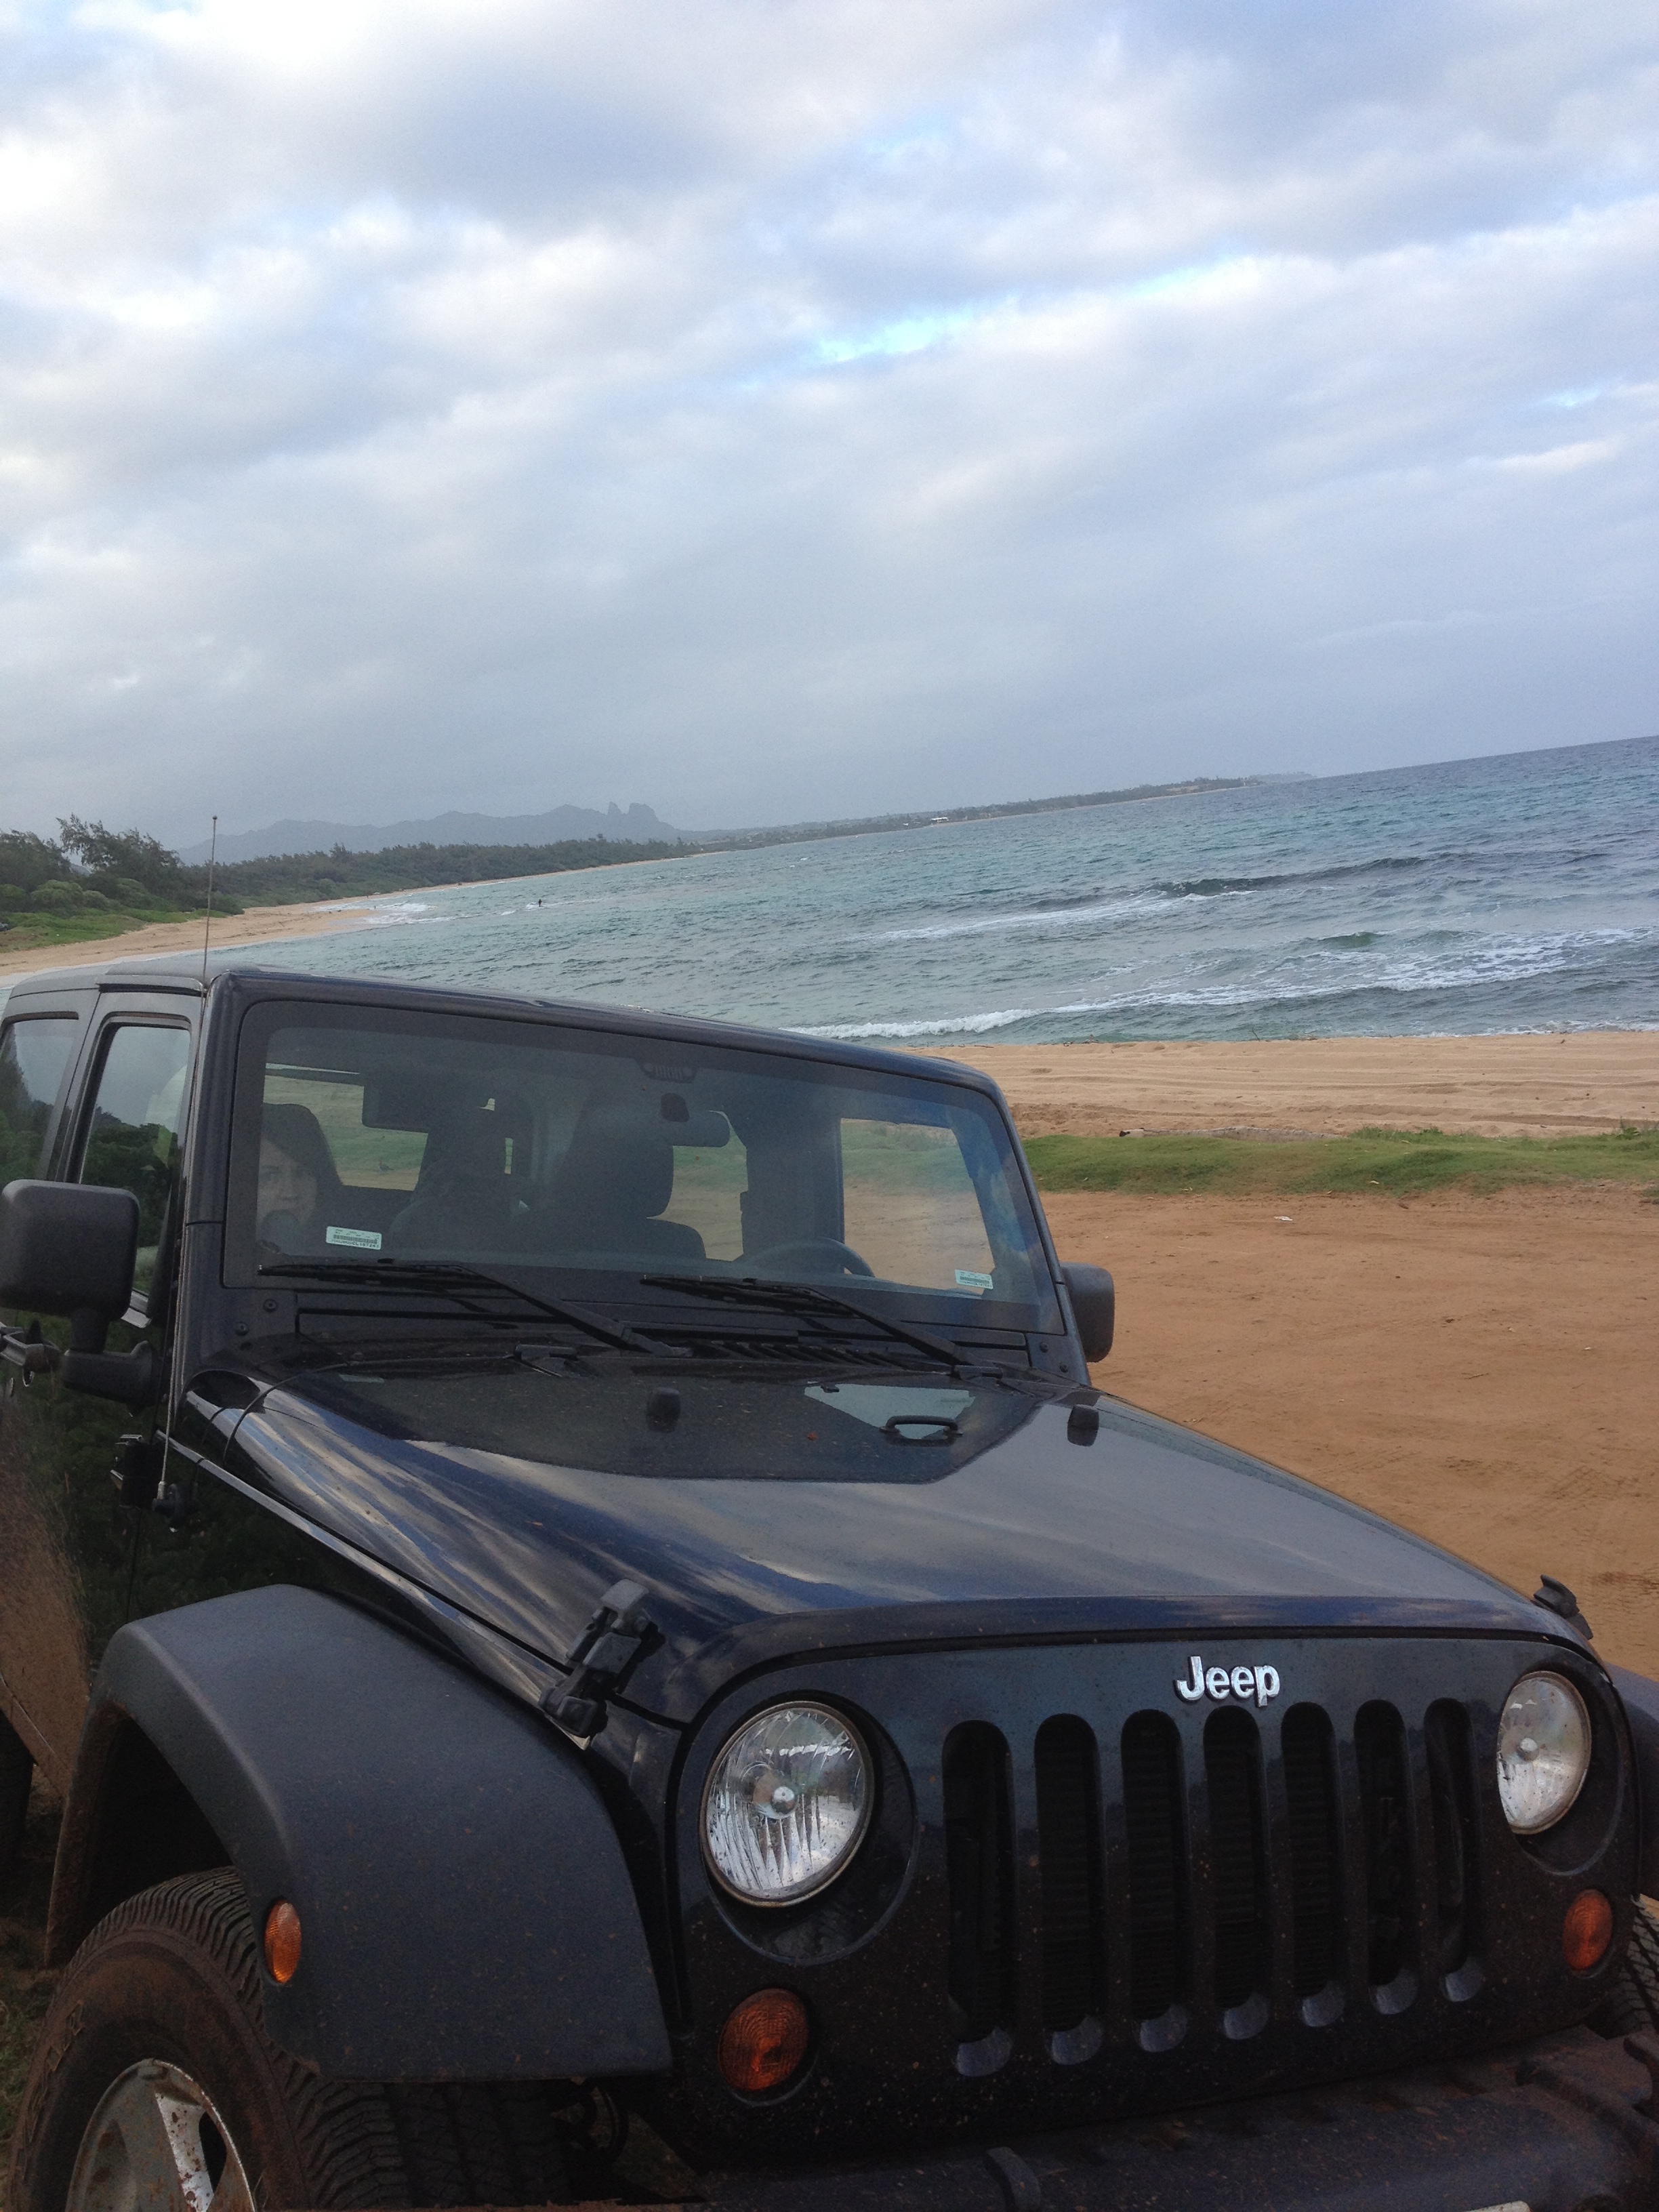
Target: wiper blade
{"points": [[806, 1297], [442, 1276]]}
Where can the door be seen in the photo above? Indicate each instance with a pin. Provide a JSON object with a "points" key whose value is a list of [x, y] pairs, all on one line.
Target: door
{"points": [[42, 1660], [68, 1546]]}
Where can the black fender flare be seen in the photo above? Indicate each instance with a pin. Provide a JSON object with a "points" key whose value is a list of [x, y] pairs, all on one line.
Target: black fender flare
{"points": [[1640, 1697], [465, 1908]]}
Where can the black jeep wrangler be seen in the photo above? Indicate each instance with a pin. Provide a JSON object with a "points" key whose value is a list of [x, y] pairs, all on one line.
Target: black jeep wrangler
{"points": [[621, 1655]]}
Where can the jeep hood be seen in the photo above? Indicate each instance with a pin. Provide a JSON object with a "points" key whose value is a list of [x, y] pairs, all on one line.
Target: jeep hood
{"points": [[776, 1517]]}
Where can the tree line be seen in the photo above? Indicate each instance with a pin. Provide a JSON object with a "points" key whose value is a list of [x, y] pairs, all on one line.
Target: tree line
{"points": [[291, 878], [89, 872]]}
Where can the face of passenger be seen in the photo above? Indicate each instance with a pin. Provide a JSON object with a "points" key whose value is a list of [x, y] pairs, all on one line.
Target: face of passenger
{"points": [[285, 1187]]}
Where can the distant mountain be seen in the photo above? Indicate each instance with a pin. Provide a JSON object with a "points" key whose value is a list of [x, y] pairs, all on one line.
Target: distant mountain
{"points": [[637, 825]]}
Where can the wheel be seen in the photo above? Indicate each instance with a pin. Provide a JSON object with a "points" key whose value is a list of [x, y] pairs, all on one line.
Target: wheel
{"points": [[155, 2083], [16, 1772], [1631, 2005], [806, 1250]]}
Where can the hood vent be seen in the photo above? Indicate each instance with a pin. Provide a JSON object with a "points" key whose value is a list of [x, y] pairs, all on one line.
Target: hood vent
{"points": [[979, 1855]]}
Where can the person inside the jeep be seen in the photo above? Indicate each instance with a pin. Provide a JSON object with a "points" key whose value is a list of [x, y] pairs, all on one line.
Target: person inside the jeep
{"points": [[294, 1169]]}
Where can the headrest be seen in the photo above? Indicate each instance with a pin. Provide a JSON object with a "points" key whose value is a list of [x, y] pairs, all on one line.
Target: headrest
{"points": [[615, 1174], [471, 1142]]}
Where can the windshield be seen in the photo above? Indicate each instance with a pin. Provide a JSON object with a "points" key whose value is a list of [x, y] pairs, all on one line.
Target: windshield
{"points": [[366, 1135]]}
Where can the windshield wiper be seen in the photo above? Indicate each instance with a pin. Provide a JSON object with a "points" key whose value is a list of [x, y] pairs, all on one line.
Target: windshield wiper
{"points": [[441, 1276], [805, 1298]]}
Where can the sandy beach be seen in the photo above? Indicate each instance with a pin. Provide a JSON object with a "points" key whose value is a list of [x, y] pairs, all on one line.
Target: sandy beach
{"points": [[1481, 1370], [258, 925], [1495, 1086]]}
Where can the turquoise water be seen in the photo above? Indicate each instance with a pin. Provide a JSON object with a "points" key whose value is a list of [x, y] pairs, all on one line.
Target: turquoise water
{"points": [[1516, 893]]}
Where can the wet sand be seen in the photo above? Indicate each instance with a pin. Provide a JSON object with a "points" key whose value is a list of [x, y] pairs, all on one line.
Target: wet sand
{"points": [[1326, 1087], [1481, 1370], [258, 925]]}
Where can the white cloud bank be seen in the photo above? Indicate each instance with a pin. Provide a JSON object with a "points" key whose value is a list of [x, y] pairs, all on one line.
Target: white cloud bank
{"points": [[766, 409]]}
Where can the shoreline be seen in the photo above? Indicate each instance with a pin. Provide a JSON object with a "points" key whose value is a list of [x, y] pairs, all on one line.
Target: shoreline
{"points": [[1567, 1083], [255, 925]]}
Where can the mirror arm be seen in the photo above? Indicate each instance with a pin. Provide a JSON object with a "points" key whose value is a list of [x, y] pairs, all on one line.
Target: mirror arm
{"points": [[131, 1378]]}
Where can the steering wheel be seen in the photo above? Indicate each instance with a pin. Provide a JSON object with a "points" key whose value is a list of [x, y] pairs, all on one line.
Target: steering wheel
{"points": [[806, 1250]]}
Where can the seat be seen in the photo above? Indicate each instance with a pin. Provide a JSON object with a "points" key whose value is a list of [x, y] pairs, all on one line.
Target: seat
{"points": [[608, 1194], [467, 1194]]}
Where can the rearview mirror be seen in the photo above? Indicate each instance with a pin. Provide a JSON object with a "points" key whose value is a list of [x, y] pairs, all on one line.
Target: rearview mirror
{"points": [[1094, 1302]]}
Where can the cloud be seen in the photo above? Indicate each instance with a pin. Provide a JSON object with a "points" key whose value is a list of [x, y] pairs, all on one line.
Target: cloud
{"points": [[768, 409]]}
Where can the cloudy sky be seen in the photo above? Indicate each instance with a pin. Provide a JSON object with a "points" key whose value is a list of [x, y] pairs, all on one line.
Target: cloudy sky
{"points": [[780, 408]]}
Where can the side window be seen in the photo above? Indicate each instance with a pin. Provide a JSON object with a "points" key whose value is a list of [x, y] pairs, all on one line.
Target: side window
{"points": [[34, 1051], [132, 1136]]}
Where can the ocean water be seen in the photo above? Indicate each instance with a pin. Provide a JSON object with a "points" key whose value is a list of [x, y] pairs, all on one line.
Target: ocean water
{"points": [[1507, 894]]}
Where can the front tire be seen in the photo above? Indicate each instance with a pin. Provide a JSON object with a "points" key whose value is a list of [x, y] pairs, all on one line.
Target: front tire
{"points": [[154, 2068]]}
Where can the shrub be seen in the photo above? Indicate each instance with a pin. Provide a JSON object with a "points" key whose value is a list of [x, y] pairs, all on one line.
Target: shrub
{"points": [[59, 898]]}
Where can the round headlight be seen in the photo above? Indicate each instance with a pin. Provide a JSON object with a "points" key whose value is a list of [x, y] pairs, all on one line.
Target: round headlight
{"points": [[1543, 1751], [786, 1804]]}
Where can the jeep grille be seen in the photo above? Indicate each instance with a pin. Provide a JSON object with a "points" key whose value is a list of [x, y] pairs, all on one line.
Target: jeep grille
{"points": [[1208, 1895]]}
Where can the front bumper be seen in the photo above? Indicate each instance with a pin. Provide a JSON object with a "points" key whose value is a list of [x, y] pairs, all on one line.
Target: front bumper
{"points": [[1564, 2123]]}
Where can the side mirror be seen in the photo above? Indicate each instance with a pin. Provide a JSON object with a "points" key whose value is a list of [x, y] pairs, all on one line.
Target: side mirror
{"points": [[70, 1248], [1094, 1301]]}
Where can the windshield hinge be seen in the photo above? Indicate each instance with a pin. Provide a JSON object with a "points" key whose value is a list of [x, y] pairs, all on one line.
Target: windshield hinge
{"points": [[612, 1640]]}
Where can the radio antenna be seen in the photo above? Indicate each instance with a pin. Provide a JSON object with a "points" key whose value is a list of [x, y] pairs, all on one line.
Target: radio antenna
{"points": [[207, 927]]}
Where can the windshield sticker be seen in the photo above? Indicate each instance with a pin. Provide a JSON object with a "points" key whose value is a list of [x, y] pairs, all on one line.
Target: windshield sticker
{"points": [[359, 1239], [971, 1280]]}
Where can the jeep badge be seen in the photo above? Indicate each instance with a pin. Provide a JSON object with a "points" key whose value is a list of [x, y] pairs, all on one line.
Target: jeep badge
{"points": [[1243, 1682]]}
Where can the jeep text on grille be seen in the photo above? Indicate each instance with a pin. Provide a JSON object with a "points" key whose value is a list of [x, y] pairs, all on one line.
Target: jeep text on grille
{"points": [[1245, 1681], [598, 1640]]}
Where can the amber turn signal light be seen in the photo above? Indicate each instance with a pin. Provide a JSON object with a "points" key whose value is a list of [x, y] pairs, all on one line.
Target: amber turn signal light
{"points": [[1586, 1930], [763, 2042], [282, 1942]]}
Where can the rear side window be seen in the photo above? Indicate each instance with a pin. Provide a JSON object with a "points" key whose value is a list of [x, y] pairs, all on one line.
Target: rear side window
{"points": [[34, 1053], [132, 1138]]}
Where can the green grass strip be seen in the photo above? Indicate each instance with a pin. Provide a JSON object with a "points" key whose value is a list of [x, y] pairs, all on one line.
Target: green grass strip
{"points": [[31, 932], [1401, 1162]]}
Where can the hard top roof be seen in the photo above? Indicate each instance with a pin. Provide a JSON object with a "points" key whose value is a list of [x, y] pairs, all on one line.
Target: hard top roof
{"points": [[136, 975], [250, 985]]}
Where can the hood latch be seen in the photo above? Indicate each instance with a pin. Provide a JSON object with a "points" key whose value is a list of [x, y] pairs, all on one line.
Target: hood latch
{"points": [[612, 1640]]}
